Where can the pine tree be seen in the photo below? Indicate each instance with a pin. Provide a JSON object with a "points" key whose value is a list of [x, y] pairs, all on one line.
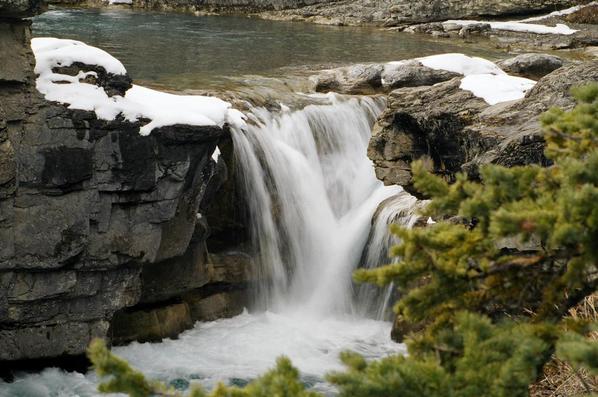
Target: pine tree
{"points": [[490, 283]]}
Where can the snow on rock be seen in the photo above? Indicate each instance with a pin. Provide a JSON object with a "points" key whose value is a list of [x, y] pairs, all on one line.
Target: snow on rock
{"points": [[514, 26], [51, 52], [560, 13], [161, 108], [482, 77], [496, 88], [462, 64]]}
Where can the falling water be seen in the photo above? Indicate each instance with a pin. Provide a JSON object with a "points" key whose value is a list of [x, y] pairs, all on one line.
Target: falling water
{"points": [[402, 210], [312, 192]]}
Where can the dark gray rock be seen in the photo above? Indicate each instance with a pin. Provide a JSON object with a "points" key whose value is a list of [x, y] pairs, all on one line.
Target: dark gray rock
{"points": [[532, 66]]}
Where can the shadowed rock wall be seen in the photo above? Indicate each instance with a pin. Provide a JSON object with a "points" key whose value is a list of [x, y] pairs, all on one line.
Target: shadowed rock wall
{"points": [[97, 220]]}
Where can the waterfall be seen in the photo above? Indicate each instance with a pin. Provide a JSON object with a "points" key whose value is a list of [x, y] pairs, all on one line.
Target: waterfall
{"points": [[312, 193], [400, 209]]}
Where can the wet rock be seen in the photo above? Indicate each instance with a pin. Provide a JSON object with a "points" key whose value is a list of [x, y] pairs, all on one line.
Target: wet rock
{"points": [[455, 131], [532, 66], [151, 325]]}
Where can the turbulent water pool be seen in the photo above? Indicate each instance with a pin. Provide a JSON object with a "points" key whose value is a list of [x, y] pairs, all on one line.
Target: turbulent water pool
{"points": [[188, 52], [312, 159]]}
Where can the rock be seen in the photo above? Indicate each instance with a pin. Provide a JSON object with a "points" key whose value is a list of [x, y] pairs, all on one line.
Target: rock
{"points": [[456, 131], [476, 28], [532, 66], [113, 84], [233, 268], [218, 305], [49, 340], [356, 79], [151, 325], [412, 74]]}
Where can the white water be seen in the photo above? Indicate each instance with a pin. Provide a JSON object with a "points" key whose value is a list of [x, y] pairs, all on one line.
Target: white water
{"points": [[401, 210], [312, 193]]}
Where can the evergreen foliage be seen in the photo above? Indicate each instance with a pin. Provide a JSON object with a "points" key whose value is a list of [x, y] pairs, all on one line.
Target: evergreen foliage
{"points": [[492, 281]]}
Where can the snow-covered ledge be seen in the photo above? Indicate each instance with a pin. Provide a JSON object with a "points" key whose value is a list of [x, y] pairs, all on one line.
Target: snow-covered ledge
{"points": [[163, 109]]}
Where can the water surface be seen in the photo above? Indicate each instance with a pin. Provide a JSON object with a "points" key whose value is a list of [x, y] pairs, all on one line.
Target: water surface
{"points": [[189, 52]]}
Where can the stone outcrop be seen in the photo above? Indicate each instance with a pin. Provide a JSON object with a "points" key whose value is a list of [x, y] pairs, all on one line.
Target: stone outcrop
{"points": [[103, 232], [456, 131]]}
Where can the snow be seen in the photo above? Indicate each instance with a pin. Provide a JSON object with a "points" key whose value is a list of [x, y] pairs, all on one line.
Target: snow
{"points": [[120, 1], [559, 13], [216, 154], [462, 64], [481, 77], [51, 52], [496, 88], [163, 109], [514, 26]]}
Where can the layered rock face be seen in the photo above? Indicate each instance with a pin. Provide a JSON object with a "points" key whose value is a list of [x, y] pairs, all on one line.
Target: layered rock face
{"points": [[101, 229], [457, 131]]}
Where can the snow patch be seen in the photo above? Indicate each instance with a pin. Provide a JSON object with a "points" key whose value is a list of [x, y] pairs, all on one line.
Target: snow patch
{"points": [[481, 77], [462, 64], [560, 13], [163, 109], [496, 88], [120, 1], [514, 26]]}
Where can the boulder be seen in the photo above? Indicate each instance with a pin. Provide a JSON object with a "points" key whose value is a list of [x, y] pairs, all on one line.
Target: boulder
{"points": [[532, 66], [412, 74], [357, 79]]}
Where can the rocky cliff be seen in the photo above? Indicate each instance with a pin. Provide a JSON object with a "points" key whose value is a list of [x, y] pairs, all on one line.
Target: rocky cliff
{"points": [[103, 232], [356, 12]]}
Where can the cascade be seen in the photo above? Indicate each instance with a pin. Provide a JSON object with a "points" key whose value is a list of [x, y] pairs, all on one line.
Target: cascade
{"points": [[401, 210], [311, 192]]}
